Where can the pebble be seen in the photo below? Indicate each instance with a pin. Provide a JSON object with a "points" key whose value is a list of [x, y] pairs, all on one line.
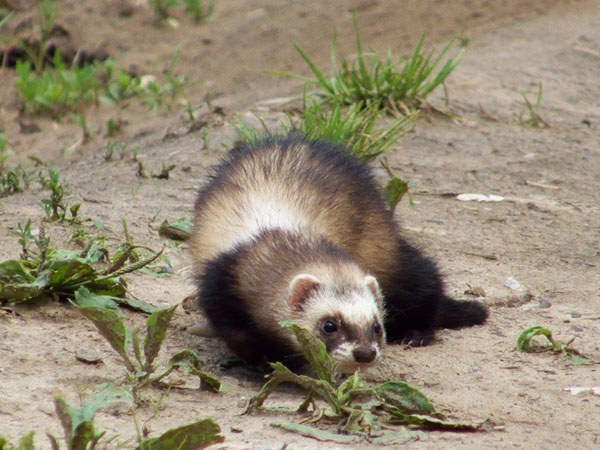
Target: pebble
{"points": [[544, 304]]}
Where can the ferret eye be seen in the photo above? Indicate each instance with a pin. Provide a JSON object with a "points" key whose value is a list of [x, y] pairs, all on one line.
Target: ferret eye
{"points": [[376, 328], [329, 327]]}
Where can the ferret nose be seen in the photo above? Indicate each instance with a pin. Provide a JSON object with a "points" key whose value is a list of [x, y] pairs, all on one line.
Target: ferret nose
{"points": [[365, 354]]}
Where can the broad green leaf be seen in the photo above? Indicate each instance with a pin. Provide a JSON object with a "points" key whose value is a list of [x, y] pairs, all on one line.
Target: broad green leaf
{"points": [[317, 433], [16, 270], [17, 283], [394, 190], [194, 436], [18, 293], [525, 338], [84, 297], [157, 325], [113, 287], [110, 325], [314, 351], [404, 396], [64, 273]]}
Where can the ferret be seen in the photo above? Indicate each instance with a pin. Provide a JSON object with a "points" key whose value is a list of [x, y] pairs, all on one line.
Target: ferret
{"points": [[291, 229]]}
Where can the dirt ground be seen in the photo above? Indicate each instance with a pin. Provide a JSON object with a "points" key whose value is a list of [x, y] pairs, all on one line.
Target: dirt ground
{"points": [[545, 233]]}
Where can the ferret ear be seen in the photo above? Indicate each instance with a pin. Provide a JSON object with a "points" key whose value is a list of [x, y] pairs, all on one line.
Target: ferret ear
{"points": [[373, 286], [300, 288]]}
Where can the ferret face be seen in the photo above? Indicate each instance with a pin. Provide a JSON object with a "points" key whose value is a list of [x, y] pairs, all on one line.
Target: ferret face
{"points": [[349, 320]]}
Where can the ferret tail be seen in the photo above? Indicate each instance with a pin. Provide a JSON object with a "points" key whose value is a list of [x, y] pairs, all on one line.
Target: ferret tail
{"points": [[461, 313]]}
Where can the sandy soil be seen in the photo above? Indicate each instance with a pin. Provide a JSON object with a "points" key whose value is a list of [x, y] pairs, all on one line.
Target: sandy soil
{"points": [[545, 233]]}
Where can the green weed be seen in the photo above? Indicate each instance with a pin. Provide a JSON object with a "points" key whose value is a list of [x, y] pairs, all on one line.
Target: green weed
{"points": [[361, 411], [138, 355], [44, 270], [525, 343], [355, 127], [397, 84], [57, 90], [81, 434], [117, 150], [529, 115], [60, 89], [55, 207], [13, 181]]}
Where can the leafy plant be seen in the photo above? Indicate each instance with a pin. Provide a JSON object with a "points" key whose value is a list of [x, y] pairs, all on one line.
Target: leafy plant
{"points": [[80, 433], [55, 207], [525, 343], [358, 409], [530, 112], [137, 354], [355, 127], [57, 90], [13, 181], [397, 84], [44, 270]]}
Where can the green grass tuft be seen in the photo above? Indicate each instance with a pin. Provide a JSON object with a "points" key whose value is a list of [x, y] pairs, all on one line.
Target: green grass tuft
{"points": [[355, 127], [396, 84]]}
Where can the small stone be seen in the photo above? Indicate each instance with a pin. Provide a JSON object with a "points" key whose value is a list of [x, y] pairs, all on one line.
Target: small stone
{"points": [[544, 304], [574, 314]]}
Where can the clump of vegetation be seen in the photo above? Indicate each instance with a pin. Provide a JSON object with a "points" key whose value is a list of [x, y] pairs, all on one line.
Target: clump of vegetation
{"points": [[525, 343], [360, 411], [81, 434], [138, 355], [11, 180], [529, 115], [200, 10], [56, 207], [60, 89], [44, 270], [396, 84], [355, 127], [55, 91]]}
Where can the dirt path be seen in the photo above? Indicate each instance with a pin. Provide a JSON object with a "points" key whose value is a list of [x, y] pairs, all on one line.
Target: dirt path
{"points": [[545, 234]]}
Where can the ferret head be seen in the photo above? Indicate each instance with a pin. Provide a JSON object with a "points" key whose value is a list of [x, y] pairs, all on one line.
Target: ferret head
{"points": [[348, 317]]}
